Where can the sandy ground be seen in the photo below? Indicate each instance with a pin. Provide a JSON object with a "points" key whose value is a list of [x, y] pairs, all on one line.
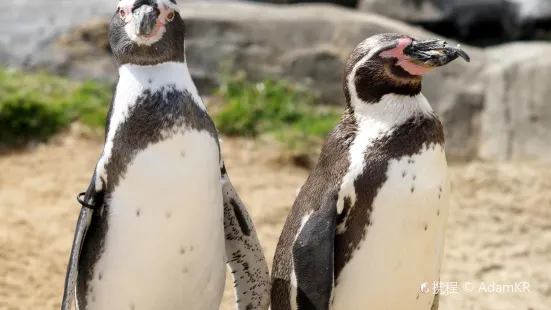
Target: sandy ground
{"points": [[500, 223]]}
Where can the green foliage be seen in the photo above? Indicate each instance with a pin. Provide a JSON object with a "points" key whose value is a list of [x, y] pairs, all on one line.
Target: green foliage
{"points": [[38, 105], [89, 103], [272, 107]]}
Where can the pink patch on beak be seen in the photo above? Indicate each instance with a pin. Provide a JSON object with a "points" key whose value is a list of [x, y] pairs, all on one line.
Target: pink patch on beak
{"points": [[403, 60]]}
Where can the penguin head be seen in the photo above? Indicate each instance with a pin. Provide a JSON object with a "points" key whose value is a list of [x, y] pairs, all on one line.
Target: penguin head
{"points": [[393, 63], [147, 32]]}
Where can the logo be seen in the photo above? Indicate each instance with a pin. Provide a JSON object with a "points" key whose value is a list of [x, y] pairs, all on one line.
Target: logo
{"points": [[424, 288]]}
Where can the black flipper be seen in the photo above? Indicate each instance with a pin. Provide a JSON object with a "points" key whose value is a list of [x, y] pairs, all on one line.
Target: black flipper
{"points": [[244, 253], [92, 199], [313, 257]]}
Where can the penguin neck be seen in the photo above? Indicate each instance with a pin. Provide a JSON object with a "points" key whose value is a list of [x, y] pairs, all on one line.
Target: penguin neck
{"points": [[136, 79], [390, 111]]}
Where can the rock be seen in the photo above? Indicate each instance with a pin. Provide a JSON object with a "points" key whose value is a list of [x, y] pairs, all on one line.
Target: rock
{"points": [[494, 107], [27, 28], [407, 10], [534, 9], [516, 121], [345, 3], [511, 19], [306, 44]]}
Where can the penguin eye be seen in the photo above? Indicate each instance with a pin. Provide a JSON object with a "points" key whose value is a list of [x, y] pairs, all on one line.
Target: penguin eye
{"points": [[170, 16], [122, 13]]}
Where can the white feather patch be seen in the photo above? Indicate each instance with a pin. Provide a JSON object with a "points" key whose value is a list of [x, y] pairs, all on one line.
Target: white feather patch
{"points": [[133, 81], [375, 120], [164, 248], [294, 283], [404, 244]]}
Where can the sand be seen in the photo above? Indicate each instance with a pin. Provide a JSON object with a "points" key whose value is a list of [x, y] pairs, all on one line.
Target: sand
{"points": [[499, 227]]}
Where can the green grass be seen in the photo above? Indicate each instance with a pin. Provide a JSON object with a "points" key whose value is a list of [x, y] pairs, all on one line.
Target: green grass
{"points": [[273, 107], [34, 106]]}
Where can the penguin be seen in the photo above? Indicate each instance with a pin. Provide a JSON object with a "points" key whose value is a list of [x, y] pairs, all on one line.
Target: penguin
{"points": [[160, 220], [367, 227]]}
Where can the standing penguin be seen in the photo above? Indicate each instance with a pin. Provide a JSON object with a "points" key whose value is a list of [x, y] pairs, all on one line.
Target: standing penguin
{"points": [[160, 219], [367, 228]]}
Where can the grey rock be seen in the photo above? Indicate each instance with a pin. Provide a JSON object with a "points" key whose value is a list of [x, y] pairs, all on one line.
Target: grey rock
{"points": [[515, 17], [534, 9], [28, 27], [407, 10], [494, 107], [516, 121], [306, 44]]}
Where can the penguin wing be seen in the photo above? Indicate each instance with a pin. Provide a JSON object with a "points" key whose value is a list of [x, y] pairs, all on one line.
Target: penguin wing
{"points": [[84, 220], [244, 254], [85, 217], [313, 265]]}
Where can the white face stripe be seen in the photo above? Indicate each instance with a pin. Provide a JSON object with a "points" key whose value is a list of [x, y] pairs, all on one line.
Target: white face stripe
{"points": [[166, 3], [350, 78]]}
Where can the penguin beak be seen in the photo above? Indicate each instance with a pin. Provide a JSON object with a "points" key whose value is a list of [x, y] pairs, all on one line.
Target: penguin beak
{"points": [[145, 19], [434, 53]]}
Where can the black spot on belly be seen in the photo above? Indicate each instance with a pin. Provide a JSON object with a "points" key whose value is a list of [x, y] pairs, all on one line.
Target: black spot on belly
{"points": [[426, 226], [168, 214], [150, 81], [414, 177], [417, 297], [138, 213], [438, 211], [412, 189], [182, 153], [240, 218], [100, 276], [182, 251]]}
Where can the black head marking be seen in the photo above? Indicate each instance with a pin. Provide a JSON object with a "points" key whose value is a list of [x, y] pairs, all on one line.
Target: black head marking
{"points": [[170, 47], [377, 76]]}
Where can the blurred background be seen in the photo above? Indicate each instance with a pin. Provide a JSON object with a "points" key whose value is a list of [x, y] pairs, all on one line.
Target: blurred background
{"points": [[270, 74]]}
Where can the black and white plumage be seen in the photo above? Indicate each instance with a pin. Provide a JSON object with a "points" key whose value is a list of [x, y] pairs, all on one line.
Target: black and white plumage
{"points": [[166, 219], [367, 227]]}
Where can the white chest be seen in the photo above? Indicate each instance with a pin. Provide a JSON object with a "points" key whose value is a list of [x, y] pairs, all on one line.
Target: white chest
{"points": [[403, 247], [164, 247]]}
